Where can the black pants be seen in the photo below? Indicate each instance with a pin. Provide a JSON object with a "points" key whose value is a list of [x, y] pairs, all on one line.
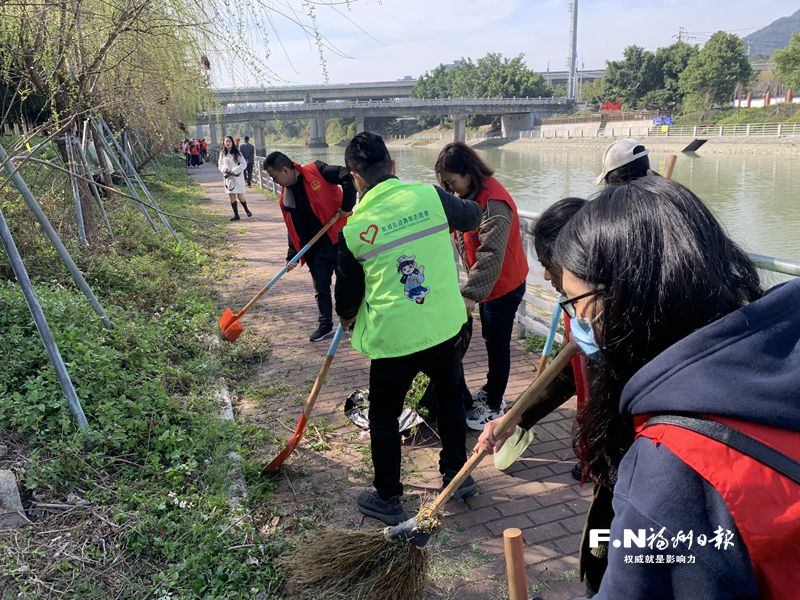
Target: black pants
{"points": [[389, 381], [248, 172], [429, 400], [322, 262], [497, 324]]}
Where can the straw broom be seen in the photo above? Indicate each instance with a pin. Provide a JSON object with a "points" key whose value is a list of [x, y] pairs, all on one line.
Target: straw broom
{"points": [[392, 562]]}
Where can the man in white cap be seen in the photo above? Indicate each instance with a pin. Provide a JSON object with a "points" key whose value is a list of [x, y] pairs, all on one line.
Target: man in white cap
{"points": [[624, 161]]}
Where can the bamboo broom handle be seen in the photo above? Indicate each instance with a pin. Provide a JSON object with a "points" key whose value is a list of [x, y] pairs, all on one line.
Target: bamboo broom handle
{"points": [[526, 400], [670, 165]]}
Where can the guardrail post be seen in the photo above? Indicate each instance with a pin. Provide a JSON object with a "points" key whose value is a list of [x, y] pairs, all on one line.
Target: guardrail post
{"points": [[780, 129]]}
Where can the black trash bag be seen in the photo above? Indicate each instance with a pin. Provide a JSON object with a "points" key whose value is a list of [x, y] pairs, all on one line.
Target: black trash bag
{"points": [[356, 408]]}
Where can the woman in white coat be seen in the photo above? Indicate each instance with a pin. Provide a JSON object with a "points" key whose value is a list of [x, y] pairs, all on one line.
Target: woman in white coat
{"points": [[232, 165]]}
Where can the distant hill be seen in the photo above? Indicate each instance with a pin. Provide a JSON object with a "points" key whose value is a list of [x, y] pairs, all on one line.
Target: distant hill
{"points": [[774, 36]]}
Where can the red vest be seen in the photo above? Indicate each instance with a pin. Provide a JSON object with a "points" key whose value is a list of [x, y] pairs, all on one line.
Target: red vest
{"points": [[325, 199], [515, 266], [578, 369], [765, 504]]}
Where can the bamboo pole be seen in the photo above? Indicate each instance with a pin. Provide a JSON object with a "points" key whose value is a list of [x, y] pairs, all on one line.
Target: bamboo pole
{"points": [[138, 179], [32, 203], [86, 175], [41, 324], [76, 193], [96, 128]]}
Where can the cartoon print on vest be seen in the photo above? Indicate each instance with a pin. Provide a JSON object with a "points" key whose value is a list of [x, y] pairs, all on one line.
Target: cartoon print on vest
{"points": [[412, 276]]}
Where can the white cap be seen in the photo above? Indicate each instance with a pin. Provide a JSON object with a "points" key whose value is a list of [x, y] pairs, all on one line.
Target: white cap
{"points": [[619, 154]]}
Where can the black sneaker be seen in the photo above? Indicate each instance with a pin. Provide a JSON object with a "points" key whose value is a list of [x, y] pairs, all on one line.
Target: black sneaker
{"points": [[322, 332], [236, 218], [466, 490], [389, 511], [577, 473]]}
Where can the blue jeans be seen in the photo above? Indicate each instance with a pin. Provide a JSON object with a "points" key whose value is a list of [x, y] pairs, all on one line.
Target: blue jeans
{"points": [[497, 324]]}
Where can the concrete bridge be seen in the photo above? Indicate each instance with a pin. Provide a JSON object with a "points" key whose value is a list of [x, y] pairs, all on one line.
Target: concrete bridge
{"points": [[518, 114], [378, 90]]}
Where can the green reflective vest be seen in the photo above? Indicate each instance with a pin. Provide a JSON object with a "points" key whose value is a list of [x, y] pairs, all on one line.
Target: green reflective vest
{"points": [[412, 301]]}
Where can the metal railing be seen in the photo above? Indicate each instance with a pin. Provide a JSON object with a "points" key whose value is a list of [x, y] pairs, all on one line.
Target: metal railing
{"points": [[746, 130], [262, 178], [536, 309]]}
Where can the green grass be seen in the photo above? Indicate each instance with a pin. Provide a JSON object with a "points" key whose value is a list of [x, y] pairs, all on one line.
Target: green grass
{"points": [[154, 465]]}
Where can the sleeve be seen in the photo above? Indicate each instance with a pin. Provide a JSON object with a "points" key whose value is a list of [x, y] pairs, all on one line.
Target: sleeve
{"points": [[290, 254], [492, 244], [561, 389], [221, 163], [350, 285], [239, 169], [340, 176], [660, 495], [462, 215]]}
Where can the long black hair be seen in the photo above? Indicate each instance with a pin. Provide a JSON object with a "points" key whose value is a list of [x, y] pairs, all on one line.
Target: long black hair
{"points": [[664, 267], [549, 225], [460, 159], [234, 148]]}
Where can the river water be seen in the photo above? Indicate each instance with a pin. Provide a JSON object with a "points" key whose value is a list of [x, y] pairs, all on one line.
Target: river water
{"points": [[757, 198]]}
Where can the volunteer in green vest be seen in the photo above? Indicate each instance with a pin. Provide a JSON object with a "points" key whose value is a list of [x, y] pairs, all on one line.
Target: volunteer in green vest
{"points": [[397, 285]]}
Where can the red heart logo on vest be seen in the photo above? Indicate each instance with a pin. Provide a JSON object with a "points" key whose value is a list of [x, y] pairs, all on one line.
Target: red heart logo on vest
{"points": [[369, 234]]}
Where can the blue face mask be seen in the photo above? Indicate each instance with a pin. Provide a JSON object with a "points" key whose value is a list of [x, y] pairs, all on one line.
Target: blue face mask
{"points": [[583, 335]]}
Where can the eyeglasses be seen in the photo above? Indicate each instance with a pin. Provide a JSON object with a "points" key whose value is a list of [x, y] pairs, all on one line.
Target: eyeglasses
{"points": [[568, 305]]}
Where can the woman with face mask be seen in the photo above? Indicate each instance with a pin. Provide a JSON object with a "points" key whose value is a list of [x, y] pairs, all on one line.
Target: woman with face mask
{"points": [[692, 418]]}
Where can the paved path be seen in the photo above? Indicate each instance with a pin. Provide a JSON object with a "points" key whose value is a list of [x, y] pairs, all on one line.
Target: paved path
{"points": [[324, 476]]}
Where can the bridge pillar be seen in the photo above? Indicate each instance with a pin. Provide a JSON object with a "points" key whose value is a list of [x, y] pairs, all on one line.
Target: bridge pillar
{"points": [[212, 133], [198, 132], [260, 141], [511, 125], [360, 124], [317, 134], [223, 132], [459, 128]]}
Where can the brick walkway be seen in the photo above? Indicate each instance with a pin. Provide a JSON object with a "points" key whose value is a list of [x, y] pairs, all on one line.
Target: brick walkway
{"points": [[323, 477]]}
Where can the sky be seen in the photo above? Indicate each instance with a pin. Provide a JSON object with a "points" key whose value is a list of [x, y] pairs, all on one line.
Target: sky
{"points": [[390, 39]]}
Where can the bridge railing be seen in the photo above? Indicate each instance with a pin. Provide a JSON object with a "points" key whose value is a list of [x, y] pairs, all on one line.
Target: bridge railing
{"points": [[395, 103]]}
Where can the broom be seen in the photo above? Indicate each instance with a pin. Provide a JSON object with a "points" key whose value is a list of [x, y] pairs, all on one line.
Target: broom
{"points": [[392, 562]]}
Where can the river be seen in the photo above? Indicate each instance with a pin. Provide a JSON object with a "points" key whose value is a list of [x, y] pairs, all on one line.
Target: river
{"points": [[757, 198]]}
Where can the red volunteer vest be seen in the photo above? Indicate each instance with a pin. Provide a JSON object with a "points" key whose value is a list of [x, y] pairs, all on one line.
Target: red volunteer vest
{"points": [[325, 199], [515, 265], [578, 369], [765, 504]]}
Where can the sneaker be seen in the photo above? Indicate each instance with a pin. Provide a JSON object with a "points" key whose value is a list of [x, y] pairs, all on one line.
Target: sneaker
{"points": [[466, 490], [322, 332], [482, 414], [577, 473], [389, 511]]}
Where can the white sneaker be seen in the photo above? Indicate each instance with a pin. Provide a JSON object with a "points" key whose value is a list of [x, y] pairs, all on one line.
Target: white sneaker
{"points": [[482, 414]]}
